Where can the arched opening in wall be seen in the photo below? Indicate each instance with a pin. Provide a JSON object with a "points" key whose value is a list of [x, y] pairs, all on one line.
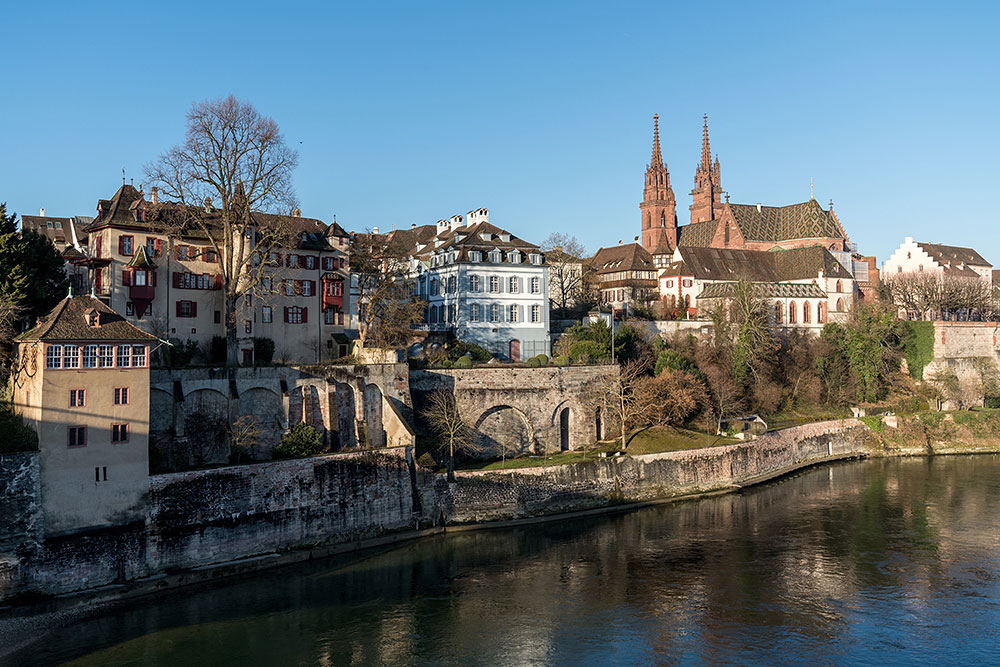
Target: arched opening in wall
{"points": [[374, 432], [515, 350], [294, 406], [598, 425], [840, 305], [820, 313], [792, 313], [312, 408], [564, 441], [777, 312], [206, 427], [503, 429], [806, 315], [840, 285], [264, 407], [347, 437]]}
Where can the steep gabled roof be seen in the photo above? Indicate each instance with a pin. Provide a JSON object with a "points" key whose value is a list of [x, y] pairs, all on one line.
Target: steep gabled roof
{"points": [[628, 257], [756, 265], [68, 322], [954, 259], [799, 263], [697, 234], [807, 220]]}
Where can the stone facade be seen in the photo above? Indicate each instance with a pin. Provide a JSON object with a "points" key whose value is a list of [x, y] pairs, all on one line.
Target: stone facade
{"points": [[968, 352]]}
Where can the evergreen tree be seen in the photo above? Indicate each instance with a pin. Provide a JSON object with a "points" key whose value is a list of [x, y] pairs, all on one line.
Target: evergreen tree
{"points": [[32, 274]]}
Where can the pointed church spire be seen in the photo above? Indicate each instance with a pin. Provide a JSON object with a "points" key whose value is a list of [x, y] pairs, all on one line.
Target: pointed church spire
{"points": [[706, 153], [657, 159]]}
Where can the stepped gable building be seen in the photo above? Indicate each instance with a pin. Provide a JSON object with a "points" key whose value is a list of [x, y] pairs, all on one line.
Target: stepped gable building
{"points": [[482, 284], [941, 260], [82, 383], [720, 224], [146, 261], [804, 287], [626, 275]]}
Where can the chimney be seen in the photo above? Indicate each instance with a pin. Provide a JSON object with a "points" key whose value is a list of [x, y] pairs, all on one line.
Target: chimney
{"points": [[41, 211], [758, 207], [635, 239], [296, 212], [374, 230], [413, 225], [619, 241], [155, 196], [456, 222]]}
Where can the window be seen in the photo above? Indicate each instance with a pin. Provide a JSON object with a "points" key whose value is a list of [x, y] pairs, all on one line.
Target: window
{"points": [[183, 253], [119, 433], [494, 283], [97, 473], [152, 247], [919, 268], [106, 356], [129, 308], [187, 309], [310, 262], [840, 286], [536, 285], [90, 356], [329, 316], [53, 356], [265, 314], [308, 287], [806, 313], [670, 283], [139, 356], [77, 398], [124, 356], [495, 256], [536, 313], [536, 259], [475, 256], [475, 312], [514, 257], [247, 326], [686, 282], [820, 313], [328, 263], [71, 356], [452, 284], [473, 283], [77, 436], [792, 313], [777, 312], [513, 283], [121, 395], [125, 245], [495, 312], [513, 313], [295, 315]]}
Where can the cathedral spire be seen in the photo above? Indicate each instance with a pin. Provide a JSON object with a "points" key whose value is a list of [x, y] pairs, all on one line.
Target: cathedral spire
{"points": [[706, 153], [706, 204], [657, 159]]}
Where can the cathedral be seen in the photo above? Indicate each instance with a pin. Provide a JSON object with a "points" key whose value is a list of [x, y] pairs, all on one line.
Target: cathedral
{"points": [[715, 223]]}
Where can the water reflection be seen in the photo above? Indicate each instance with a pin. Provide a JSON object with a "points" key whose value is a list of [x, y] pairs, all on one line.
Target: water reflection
{"points": [[873, 562]]}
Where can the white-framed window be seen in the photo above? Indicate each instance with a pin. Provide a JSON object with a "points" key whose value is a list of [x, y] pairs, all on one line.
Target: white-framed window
{"points": [[90, 356], [473, 283], [329, 317], [310, 262], [669, 283], [536, 313], [451, 284], [536, 258], [687, 282], [124, 356], [513, 284], [536, 285], [71, 356], [265, 314], [475, 312], [475, 256], [514, 257], [495, 312], [54, 356], [139, 356], [494, 284], [451, 313], [307, 288], [495, 256], [513, 313], [106, 356]]}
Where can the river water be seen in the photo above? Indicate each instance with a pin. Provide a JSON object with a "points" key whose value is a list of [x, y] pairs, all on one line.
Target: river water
{"points": [[874, 562]]}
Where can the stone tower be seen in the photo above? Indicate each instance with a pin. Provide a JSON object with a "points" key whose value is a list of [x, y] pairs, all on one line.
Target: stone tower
{"points": [[707, 192], [658, 207]]}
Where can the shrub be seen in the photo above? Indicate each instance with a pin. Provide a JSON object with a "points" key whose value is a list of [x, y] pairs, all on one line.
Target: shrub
{"points": [[585, 351], [426, 460], [180, 355], [217, 351], [477, 353], [562, 361], [918, 347], [15, 435], [463, 362], [263, 351], [533, 363], [300, 441], [543, 360]]}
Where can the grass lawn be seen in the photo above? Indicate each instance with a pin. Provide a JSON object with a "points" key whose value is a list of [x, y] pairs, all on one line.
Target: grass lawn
{"points": [[658, 439], [797, 417]]}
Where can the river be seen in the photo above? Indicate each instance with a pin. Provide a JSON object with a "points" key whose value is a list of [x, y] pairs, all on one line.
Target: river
{"points": [[873, 562]]}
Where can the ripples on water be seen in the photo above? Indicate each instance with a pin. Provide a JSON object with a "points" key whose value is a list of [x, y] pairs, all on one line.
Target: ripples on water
{"points": [[877, 562]]}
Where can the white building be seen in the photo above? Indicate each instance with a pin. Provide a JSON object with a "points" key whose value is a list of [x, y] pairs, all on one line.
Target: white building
{"points": [[941, 260]]}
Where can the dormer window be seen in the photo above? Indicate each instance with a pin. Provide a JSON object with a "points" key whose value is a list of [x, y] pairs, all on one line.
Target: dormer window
{"points": [[495, 256], [475, 256], [505, 237], [536, 258], [514, 257], [486, 236], [93, 318]]}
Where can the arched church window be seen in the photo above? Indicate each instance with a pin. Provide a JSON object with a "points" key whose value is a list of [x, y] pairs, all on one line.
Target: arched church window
{"points": [[840, 285], [663, 219], [820, 313], [806, 315], [840, 305], [777, 312], [792, 313]]}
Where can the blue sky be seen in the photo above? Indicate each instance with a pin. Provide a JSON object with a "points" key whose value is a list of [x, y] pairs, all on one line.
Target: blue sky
{"points": [[541, 112]]}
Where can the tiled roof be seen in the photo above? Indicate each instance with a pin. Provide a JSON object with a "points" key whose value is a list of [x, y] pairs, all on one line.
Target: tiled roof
{"points": [[780, 223], [628, 257], [481, 236], [766, 291], [698, 234], [954, 259], [756, 265], [67, 322]]}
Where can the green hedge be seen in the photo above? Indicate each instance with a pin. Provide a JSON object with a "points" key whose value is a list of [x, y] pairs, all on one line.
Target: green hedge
{"points": [[918, 347]]}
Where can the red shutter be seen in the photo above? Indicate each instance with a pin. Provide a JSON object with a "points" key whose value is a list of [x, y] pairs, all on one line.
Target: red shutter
{"points": [[121, 245], [178, 306], [312, 287], [126, 278], [152, 278], [157, 247], [286, 314], [305, 315], [177, 279], [194, 309]]}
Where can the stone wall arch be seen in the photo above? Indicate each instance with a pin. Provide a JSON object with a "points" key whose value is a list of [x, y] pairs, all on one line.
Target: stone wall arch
{"points": [[207, 420], [345, 420], [504, 426], [375, 434], [264, 406]]}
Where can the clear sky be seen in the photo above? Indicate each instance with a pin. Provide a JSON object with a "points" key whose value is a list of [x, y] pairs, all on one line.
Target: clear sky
{"points": [[542, 112]]}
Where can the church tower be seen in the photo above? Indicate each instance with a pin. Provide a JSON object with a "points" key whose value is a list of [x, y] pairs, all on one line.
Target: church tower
{"points": [[707, 192], [658, 207]]}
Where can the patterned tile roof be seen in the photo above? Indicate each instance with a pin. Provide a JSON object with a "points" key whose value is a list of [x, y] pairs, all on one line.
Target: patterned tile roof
{"points": [[698, 234], [781, 223], [68, 322], [756, 265], [628, 257], [765, 291]]}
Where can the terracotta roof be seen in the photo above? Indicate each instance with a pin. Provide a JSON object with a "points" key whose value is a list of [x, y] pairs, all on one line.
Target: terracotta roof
{"points": [[756, 265], [628, 257], [780, 223], [765, 291], [68, 321], [955, 260], [697, 233]]}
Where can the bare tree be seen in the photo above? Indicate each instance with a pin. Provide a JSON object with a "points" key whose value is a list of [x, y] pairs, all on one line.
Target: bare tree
{"points": [[623, 397], [926, 295], [445, 419], [567, 270], [231, 171], [243, 438], [387, 306]]}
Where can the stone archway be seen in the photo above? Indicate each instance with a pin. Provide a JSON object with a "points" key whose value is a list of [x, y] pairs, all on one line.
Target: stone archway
{"points": [[373, 416], [346, 423], [565, 443], [504, 428], [264, 406]]}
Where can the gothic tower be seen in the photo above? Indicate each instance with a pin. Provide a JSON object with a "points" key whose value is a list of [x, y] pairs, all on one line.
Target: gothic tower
{"points": [[707, 192], [658, 207]]}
